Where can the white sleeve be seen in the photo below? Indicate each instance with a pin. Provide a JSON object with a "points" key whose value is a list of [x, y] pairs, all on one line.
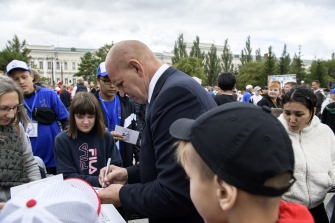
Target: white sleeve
{"points": [[30, 162], [74, 91]]}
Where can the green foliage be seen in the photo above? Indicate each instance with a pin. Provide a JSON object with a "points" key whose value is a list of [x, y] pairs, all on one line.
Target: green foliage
{"points": [[196, 52], [89, 63], [179, 50], [102, 52], [270, 63], [251, 73], [15, 50], [333, 56], [318, 71], [227, 58], [48, 80], [330, 66], [192, 67], [297, 67], [259, 57], [246, 56], [284, 62], [212, 66], [87, 67]]}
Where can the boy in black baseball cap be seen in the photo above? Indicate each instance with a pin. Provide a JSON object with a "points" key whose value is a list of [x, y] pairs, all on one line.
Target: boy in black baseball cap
{"points": [[240, 161]]}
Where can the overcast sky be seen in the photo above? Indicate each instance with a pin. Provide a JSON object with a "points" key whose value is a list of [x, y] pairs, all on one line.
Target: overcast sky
{"points": [[92, 23]]}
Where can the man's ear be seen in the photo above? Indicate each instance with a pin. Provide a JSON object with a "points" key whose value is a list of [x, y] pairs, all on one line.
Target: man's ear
{"points": [[226, 194], [136, 65]]}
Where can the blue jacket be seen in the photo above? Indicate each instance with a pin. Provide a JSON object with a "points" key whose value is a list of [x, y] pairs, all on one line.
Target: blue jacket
{"points": [[157, 188], [246, 96], [43, 144]]}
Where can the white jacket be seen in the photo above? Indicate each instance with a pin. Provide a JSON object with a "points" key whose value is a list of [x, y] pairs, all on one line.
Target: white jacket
{"points": [[314, 169]]}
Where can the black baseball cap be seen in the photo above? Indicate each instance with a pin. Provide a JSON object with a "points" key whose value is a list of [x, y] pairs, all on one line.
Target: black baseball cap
{"points": [[265, 87], [241, 143]]}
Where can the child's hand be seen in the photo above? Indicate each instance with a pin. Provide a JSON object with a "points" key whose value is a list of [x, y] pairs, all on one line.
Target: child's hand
{"points": [[117, 136], [1, 205]]}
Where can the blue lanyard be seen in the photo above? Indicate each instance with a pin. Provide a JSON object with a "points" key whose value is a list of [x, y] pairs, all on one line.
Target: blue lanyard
{"points": [[105, 109], [32, 106]]}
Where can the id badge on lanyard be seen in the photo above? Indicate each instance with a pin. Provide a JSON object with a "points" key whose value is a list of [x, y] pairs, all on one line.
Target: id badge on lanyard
{"points": [[32, 129]]}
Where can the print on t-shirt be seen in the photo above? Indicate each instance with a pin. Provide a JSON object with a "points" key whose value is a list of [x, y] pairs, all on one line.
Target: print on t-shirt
{"points": [[88, 158]]}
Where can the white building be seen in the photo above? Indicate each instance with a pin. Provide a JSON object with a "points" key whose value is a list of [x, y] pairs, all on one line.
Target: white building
{"points": [[56, 63], [60, 63]]}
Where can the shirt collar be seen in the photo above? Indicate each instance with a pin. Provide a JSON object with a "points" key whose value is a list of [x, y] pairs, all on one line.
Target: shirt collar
{"points": [[155, 78]]}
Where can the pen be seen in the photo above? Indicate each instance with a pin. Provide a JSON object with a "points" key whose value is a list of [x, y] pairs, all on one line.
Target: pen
{"points": [[106, 173]]}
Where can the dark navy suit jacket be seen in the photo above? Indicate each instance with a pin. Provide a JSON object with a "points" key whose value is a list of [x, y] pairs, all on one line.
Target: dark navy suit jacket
{"points": [[157, 188]]}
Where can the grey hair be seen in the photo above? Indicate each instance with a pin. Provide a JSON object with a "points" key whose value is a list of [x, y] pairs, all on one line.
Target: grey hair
{"points": [[7, 85]]}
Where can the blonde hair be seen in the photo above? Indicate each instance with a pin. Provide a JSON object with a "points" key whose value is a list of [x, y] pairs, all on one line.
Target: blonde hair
{"points": [[186, 152]]}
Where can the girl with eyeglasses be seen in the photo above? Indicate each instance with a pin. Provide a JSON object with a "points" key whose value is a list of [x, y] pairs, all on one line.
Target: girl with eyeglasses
{"points": [[17, 164], [44, 108], [314, 152]]}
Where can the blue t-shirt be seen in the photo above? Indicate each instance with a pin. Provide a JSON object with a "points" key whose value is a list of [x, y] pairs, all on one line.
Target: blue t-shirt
{"points": [[112, 110], [43, 144]]}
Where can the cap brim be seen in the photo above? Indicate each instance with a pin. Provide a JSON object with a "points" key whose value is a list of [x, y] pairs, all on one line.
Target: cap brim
{"points": [[17, 68], [104, 74], [181, 128]]}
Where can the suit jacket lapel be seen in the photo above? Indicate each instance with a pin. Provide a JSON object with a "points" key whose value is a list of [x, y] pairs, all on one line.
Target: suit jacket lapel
{"points": [[161, 82]]}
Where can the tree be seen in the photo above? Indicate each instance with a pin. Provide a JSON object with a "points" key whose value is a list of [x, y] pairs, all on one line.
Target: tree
{"points": [[258, 55], [333, 56], [212, 66], [196, 52], [270, 63], [192, 67], [87, 67], [251, 73], [89, 62], [102, 52], [318, 71], [227, 58], [284, 62], [297, 67], [15, 50], [179, 49], [246, 52], [330, 66]]}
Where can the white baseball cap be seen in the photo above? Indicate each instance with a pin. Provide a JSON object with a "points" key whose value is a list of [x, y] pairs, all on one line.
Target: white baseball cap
{"points": [[248, 86], [71, 200], [16, 64]]}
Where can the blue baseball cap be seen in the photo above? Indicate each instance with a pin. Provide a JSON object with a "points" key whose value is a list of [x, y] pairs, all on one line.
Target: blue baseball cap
{"points": [[332, 91], [101, 71]]}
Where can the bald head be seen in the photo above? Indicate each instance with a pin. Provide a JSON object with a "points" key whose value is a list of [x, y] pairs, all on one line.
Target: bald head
{"points": [[129, 49], [131, 64]]}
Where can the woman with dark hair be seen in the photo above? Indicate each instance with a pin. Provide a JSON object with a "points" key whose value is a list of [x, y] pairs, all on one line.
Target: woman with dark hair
{"points": [[84, 148], [17, 164], [314, 152]]}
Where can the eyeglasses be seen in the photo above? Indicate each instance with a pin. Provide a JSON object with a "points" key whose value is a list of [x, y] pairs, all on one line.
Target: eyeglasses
{"points": [[16, 108], [107, 81]]}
